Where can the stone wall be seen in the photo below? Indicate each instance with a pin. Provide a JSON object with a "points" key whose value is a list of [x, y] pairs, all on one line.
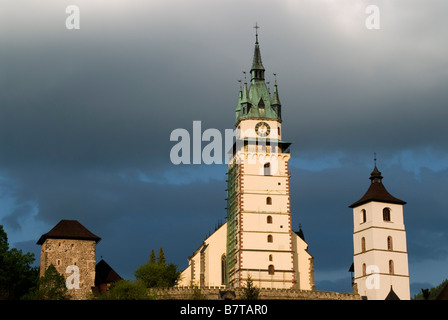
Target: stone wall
{"points": [[215, 293], [63, 253]]}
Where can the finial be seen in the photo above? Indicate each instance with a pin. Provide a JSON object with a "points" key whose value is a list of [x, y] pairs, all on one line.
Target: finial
{"points": [[275, 77], [375, 175], [244, 72], [240, 84], [256, 32]]}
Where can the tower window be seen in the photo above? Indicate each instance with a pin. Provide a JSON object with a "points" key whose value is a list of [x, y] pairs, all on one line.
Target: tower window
{"points": [[269, 219], [386, 214], [270, 257], [389, 243], [363, 216], [391, 267], [267, 169], [268, 200], [271, 269], [278, 131], [364, 269], [363, 244], [223, 269], [270, 238]]}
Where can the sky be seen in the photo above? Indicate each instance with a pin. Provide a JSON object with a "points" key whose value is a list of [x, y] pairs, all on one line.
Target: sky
{"points": [[86, 116]]}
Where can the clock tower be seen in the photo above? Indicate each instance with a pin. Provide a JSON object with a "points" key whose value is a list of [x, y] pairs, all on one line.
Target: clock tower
{"points": [[260, 241]]}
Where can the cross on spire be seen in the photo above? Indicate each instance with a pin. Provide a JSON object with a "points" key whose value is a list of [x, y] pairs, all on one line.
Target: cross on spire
{"points": [[256, 32]]}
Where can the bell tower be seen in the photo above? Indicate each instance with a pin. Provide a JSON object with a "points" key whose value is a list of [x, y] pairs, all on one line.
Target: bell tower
{"points": [[379, 239], [259, 233]]}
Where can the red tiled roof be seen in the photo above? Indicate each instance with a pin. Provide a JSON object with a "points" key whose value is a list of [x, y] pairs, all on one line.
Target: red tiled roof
{"points": [[105, 274], [69, 229], [376, 192]]}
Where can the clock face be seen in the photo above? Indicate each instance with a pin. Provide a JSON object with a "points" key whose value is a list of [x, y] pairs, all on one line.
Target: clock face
{"points": [[262, 129]]}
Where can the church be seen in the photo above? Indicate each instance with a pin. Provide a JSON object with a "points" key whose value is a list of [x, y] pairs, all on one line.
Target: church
{"points": [[258, 242]]}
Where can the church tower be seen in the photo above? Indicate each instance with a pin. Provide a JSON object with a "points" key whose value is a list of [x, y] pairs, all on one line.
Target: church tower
{"points": [[260, 239], [379, 238], [257, 239]]}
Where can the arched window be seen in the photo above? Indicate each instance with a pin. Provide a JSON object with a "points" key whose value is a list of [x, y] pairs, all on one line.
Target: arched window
{"points": [[391, 267], [270, 257], [269, 238], [386, 214], [267, 169], [268, 200], [278, 131], [389, 243], [223, 269], [364, 269], [363, 216], [269, 219], [271, 269], [363, 244]]}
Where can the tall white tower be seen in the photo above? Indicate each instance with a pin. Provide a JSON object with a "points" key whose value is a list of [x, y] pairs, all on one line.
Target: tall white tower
{"points": [[260, 239], [379, 239]]}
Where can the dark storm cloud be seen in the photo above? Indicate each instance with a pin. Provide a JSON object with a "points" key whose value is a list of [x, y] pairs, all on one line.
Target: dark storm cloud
{"points": [[320, 203], [84, 114]]}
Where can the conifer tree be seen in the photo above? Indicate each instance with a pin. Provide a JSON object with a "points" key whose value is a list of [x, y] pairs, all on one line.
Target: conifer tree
{"points": [[152, 257], [250, 291], [161, 260], [50, 287]]}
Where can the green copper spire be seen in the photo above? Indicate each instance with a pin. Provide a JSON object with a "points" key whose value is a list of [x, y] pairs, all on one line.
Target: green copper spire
{"points": [[256, 102], [257, 70], [275, 103]]}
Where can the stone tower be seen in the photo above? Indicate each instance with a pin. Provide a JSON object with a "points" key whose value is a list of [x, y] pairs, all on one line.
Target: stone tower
{"points": [[259, 234], [71, 248], [379, 238]]}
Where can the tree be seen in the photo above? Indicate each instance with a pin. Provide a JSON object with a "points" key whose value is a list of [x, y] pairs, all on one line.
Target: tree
{"points": [[158, 275], [161, 257], [127, 290], [17, 273], [50, 287], [250, 291], [431, 293], [152, 257]]}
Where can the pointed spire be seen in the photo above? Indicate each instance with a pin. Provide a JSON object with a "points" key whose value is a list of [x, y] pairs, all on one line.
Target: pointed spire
{"points": [[300, 233], [275, 103], [255, 100], [275, 98], [375, 175], [257, 71]]}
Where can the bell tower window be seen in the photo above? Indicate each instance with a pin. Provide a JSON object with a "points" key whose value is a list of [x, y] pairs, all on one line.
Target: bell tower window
{"points": [[267, 169], [386, 214]]}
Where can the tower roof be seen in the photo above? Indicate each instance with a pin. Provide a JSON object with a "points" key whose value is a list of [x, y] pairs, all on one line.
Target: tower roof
{"points": [[392, 295], [69, 229], [257, 64], [256, 102], [105, 274], [377, 191]]}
